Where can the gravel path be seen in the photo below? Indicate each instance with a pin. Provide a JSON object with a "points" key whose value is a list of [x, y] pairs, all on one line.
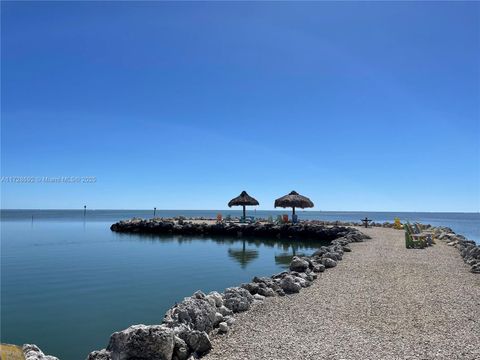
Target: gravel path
{"points": [[381, 302]]}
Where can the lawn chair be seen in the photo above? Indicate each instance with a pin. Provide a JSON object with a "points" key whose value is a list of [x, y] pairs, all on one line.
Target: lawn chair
{"points": [[419, 231], [413, 240]]}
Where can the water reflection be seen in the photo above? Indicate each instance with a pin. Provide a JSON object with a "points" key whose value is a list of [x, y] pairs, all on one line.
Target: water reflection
{"points": [[243, 256], [241, 250], [285, 244]]}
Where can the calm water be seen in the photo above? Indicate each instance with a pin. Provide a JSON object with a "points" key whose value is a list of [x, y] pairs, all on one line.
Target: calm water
{"points": [[68, 282]]}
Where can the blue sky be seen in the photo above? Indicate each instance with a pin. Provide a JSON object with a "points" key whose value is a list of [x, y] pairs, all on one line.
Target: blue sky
{"points": [[360, 106]]}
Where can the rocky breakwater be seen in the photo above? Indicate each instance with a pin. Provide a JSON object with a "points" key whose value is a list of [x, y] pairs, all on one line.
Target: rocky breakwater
{"points": [[468, 249], [307, 229]]}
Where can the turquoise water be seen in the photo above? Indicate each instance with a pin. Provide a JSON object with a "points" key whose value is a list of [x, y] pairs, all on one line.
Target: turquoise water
{"points": [[68, 282]]}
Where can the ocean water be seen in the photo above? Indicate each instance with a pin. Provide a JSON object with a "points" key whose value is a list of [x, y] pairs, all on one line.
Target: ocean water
{"points": [[68, 282]]}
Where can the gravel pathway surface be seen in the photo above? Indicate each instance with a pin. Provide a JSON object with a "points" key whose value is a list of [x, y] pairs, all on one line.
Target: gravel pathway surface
{"points": [[381, 302]]}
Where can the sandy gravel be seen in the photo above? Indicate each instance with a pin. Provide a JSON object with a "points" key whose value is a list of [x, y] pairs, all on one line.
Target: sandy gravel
{"points": [[381, 302]]}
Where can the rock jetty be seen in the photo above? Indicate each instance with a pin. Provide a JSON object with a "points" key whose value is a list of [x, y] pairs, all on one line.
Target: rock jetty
{"points": [[468, 249], [304, 230]]}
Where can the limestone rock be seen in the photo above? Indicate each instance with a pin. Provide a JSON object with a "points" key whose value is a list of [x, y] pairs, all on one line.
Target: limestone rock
{"points": [[329, 263], [180, 350], [33, 352], [153, 342], [225, 311], [99, 355], [252, 287], [298, 264], [223, 327], [237, 299], [197, 341], [319, 268], [216, 297], [259, 297], [266, 292], [289, 286], [196, 312]]}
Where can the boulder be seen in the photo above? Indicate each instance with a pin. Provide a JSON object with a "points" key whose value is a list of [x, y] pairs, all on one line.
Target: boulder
{"points": [[216, 298], [142, 342], [218, 319], [180, 349], [298, 264], [266, 292], [475, 269], [329, 263], [230, 320], [259, 297], [197, 341], [99, 355], [223, 327], [331, 255], [33, 352], [252, 287], [237, 299], [196, 312], [199, 294], [289, 286], [224, 311], [320, 252], [318, 268]]}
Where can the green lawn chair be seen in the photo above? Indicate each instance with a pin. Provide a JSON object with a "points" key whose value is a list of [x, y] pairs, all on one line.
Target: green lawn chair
{"points": [[413, 240]]}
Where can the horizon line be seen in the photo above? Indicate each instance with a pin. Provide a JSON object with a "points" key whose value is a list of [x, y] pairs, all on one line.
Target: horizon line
{"points": [[229, 209]]}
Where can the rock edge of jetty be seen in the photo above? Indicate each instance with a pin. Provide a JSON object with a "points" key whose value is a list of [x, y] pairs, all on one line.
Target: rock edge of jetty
{"points": [[305, 230]]}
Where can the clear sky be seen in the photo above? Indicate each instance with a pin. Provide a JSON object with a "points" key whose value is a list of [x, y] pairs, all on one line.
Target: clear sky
{"points": [[360, 106]]}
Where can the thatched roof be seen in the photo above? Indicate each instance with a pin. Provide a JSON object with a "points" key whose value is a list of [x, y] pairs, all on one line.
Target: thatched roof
{"points": [[242, 200], [294, 199]]}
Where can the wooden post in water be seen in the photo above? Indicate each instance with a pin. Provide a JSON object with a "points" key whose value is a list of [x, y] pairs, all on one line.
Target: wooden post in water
{"points": [[84, 210], [154, 211]]}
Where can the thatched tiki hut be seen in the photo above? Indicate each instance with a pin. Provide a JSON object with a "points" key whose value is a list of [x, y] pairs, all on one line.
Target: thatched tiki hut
{"points": [[294, 200], [243, 200]]}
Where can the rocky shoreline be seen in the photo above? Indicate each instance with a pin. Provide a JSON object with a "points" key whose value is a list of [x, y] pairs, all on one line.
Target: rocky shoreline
{"points": [[304, 230], [188, 326], [469, 250], [206, 226]]}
